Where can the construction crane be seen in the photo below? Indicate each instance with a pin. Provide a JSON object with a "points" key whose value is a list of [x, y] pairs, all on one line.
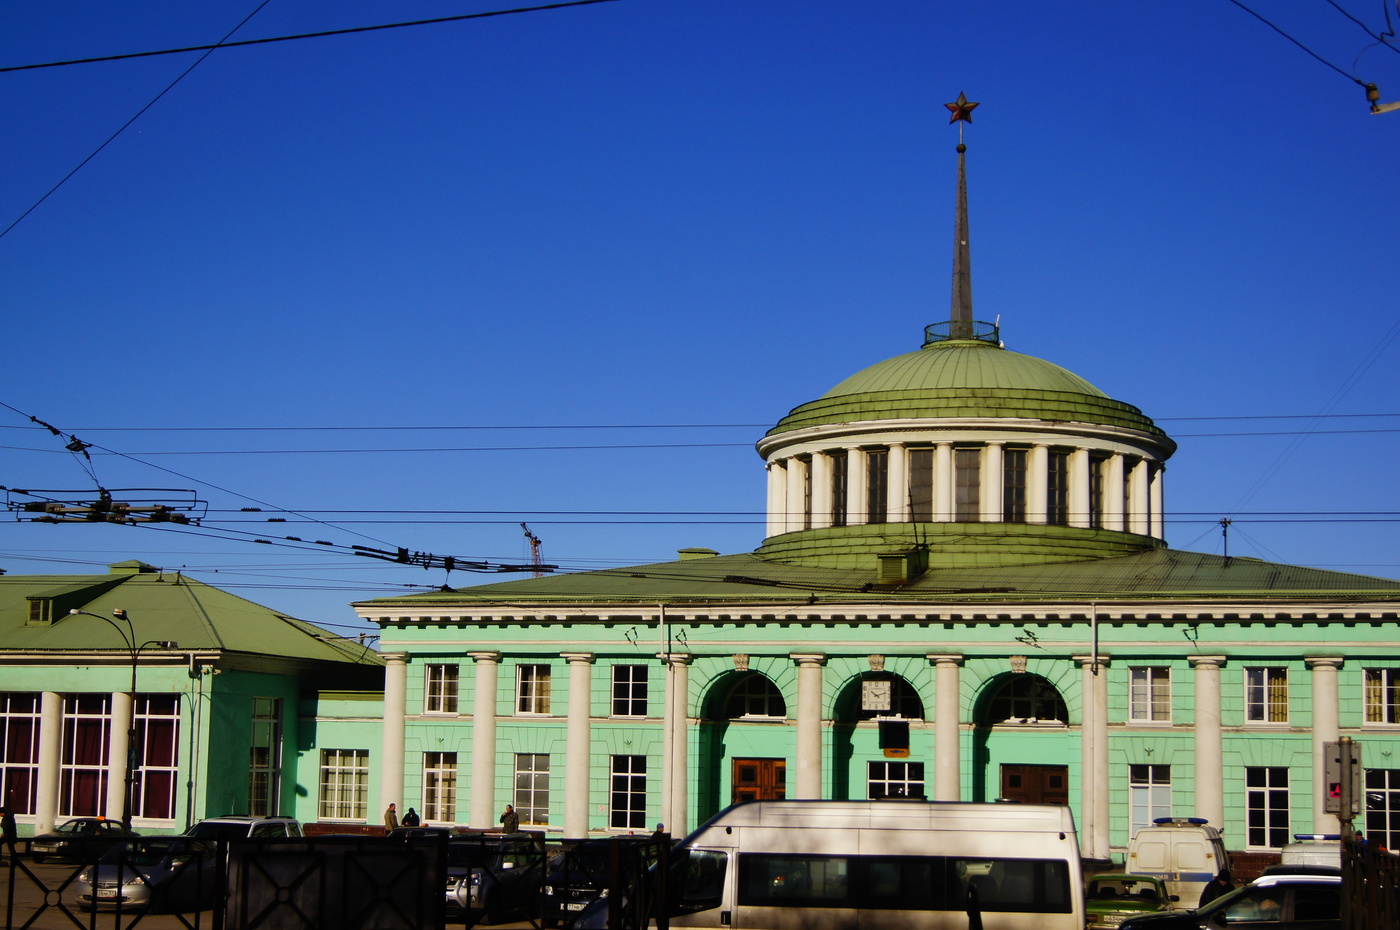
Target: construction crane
{"points": [[537, 566]]}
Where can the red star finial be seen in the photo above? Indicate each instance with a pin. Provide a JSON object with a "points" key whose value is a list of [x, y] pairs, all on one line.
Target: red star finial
{"points": [[961, 109]]}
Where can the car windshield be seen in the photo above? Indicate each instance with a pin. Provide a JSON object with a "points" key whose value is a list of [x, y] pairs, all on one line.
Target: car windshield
{"points": [[1123, 889], [148, 853], [75, 826], [211, 830]]}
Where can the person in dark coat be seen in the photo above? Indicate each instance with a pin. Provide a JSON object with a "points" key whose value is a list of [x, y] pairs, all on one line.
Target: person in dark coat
{"points": [[510, 820], [411, 819], [1217, 887], [8, 831]]}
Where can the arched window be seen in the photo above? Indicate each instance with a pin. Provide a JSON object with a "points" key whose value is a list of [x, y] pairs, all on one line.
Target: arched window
{"points": [[1026, 699], [753, 695]]}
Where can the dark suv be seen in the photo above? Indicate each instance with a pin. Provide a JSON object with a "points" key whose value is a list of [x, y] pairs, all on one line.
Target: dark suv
{"points": [[1276, 902], [494, 875], [584, 874]]}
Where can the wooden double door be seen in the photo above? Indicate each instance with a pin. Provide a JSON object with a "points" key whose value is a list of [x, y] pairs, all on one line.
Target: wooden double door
{"points": [[1035, 784], [759, 780]]}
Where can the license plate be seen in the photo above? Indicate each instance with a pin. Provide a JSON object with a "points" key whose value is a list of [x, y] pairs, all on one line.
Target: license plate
{"points": [[107, 893], [576, 906]]}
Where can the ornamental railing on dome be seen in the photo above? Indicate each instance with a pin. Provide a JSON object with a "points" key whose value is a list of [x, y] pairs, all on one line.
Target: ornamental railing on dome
{"points": [[962, 330]]}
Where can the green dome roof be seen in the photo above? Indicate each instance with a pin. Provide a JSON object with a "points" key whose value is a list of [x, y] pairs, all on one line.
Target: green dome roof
{"points": [[966, 365], [966, 378]]}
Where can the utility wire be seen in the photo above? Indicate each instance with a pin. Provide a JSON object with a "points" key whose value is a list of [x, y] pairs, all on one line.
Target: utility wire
{"points": [[304, 35], [1315, 55], [210, 50]]}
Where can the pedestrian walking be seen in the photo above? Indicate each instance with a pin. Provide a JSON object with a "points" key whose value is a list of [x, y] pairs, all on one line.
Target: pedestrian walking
{"points": [[510, 820], [8, 832], [1217, 887]]}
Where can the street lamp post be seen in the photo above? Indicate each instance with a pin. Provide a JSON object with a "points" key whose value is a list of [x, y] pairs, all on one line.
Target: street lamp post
{"points": [[128, 636]]}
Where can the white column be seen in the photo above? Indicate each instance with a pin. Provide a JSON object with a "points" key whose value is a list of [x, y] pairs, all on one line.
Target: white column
{"points": [[391, 758], [857, 488], [1113, 515], [1079, 514], [1210, 767], [676, 748], [1093, 757], [577, 761], [1159, 518], [777, 498], [821, 490], [796, 494], [483, 786], [993, 462], [118, 753], [947, 728], [897, 481], [1139, 500], [808, 783], [50, 739], [1326, 728], [944, 491], [1037, 483]]}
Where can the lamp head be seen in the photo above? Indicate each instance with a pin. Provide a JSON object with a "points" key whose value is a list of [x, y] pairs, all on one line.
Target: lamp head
{"points": [[119, 613]]}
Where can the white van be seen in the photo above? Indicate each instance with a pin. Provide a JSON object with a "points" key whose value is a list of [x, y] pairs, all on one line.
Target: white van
{"points": [[1314, 849], [1184, 852], [917, 865]]}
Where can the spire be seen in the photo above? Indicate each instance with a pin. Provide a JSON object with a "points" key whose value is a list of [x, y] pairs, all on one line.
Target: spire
{"points": [[960, 318]]}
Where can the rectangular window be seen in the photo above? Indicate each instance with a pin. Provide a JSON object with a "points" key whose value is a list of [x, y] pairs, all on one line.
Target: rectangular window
{"points": [[1013, 485], [344, 784], [1383, 807], [840, 486], [1266, 806], [1149, 794], [82, 771], [532, 787], [894, 780], [440, 787], [154, 783], [877, 485], [1382, 695], [19, 749], [440, 689], [806, 492], [1098, 467], [629, 690], [1057, 489], [628, 793], [532, 689], [1266, 695], [265, 762], [967, 472], [1149, 694], [921, 485]]}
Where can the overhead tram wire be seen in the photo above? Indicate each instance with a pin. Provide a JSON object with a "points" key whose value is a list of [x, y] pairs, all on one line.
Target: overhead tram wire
{"points": [[304, 35]]}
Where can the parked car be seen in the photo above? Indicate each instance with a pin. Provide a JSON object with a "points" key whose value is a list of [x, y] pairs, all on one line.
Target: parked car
{"points": [[165, 873], [1111, 899], [241, 826], [82, 839], [418, 833], [1278, 902], [582, 875], [1314, 849], [493, 875]]}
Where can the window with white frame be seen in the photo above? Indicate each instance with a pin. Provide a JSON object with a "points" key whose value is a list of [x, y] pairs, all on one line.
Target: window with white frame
{"points": [[344, 784], [154, 782], [754, 695], [82, 769], [1149, 694], [440, 787], [894, 780], [629, 690], [439, 689], [265, 758], [1382, 695], [1383, 807], [1266, 806], [1266, 695], [1149, 794], [532, 787], [628, 793], [19, 749], [532, 689]]}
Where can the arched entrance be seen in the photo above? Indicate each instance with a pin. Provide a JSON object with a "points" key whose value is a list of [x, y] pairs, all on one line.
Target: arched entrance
{"points": [[872, 752], [744, 742], [1022, 749]]}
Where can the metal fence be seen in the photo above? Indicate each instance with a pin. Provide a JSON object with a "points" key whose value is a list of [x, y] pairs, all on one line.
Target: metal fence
{"points": [[1370, 887]]}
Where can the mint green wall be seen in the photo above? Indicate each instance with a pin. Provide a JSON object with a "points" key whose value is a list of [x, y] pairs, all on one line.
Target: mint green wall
{"points": [[334, 720]]}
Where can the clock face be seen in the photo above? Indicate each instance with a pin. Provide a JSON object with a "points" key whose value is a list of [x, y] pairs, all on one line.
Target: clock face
{"points": [[875, 695]]}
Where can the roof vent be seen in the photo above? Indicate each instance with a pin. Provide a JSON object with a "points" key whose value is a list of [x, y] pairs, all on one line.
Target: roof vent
{"points": [[695, 552], [902, 567]]}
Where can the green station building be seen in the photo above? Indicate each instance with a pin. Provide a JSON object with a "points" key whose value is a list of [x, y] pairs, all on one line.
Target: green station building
{"points": [[965, 593], [148, 695]]}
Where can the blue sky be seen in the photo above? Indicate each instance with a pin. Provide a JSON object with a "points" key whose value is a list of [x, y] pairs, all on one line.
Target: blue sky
{"points": [[589, 255]]}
